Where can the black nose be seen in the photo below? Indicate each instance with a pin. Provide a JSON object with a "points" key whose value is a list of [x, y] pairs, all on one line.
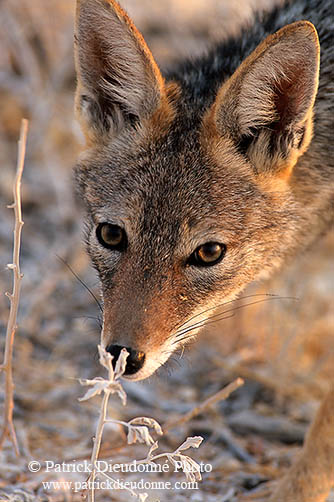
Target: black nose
{"points": [[134, 362]]}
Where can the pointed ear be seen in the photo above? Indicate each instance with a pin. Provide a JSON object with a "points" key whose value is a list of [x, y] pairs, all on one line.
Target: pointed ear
{"points": [[119, 83], [266, 106]]}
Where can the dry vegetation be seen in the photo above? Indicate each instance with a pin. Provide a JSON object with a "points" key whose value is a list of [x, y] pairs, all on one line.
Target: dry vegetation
{"points": [[282, 348]]}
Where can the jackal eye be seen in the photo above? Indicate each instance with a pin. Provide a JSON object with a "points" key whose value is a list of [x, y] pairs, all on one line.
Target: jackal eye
{"points": [[111, 236], [208, 254]]}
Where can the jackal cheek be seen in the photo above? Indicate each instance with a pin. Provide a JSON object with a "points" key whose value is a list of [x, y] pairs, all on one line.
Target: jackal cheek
{"points": [[206, 313]]}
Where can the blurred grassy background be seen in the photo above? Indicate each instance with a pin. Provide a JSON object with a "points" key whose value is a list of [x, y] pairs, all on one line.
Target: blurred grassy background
{"points": [[285, 345]]}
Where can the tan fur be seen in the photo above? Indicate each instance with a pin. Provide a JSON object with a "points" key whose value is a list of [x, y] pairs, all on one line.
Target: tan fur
{"points": [[163, 117], [312, 475]]}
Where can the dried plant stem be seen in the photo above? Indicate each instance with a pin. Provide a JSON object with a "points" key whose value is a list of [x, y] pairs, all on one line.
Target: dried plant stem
{"points": [[138, 428], [8, 429], [97, 443], [219, 396], [96, 449]]}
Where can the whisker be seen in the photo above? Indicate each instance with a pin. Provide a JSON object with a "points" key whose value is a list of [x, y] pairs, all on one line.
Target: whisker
{"points": [[90, 317], [81, 282], [180, 350], [174, 360], [238, 308], [226, 303], [181, 338]]}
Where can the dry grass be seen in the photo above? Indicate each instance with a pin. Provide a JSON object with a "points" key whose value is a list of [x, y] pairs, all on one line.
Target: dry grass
{"points": [[282, 348]]}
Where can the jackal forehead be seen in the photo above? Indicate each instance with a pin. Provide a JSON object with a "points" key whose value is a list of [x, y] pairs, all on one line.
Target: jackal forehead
{"points": [[132, 175], [168, 194]]}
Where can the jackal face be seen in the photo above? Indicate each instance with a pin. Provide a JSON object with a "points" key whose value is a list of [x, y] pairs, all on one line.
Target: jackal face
{"points": [[186, 204]]}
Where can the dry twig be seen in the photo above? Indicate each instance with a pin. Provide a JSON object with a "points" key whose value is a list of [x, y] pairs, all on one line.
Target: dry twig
{"points": [[107, 386], [219, 396], [8, 426], [138, 429]]}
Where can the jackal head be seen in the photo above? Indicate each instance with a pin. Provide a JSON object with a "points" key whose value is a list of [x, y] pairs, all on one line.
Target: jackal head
{"points": [[188, 193]]}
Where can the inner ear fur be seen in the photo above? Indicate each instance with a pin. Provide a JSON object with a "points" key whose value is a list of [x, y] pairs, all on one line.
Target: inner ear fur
{"points": [[118, 81], [266, 107]]}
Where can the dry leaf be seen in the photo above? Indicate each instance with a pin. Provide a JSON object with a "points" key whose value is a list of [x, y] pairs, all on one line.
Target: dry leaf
{"points": [[150, 422], [190, 442]]}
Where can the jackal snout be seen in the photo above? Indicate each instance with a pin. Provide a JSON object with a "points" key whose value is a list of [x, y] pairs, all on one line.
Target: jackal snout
{"points": [[142, 316], [135, 359]]}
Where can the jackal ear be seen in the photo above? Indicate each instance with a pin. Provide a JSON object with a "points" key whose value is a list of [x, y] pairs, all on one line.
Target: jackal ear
{"points": [[119, 82], [266, 106]]}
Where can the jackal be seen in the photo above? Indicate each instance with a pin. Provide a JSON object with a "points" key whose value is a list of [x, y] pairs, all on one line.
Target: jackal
{"points": [[201, 180]]}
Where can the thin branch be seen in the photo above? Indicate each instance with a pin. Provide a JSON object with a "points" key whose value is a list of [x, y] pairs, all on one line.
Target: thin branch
{"points": [[219, 396], [8, 429], [97, 443]]}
